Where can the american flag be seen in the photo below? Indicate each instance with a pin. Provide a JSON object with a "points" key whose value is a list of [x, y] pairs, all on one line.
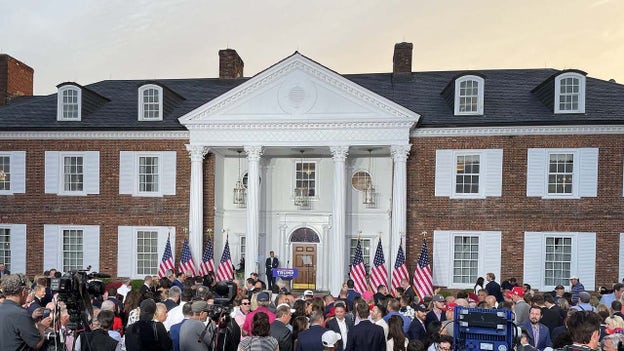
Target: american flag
{"points": [[186, 261], [167, 260], [226, 270], [400, 269], [207, 263], [379, 274], [358, 271], [422, 273]]}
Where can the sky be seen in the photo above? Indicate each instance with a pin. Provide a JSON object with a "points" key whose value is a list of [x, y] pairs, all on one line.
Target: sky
{"points": [[86, 41]]}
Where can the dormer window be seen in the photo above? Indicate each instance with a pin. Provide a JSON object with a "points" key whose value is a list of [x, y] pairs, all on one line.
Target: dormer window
{"points": [[150, 103], [469, 95], [69, 103], [570, 93]]}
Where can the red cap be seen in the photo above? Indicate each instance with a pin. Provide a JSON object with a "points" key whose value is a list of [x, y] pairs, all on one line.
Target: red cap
{"points": [[451, 306], [515, 291]]}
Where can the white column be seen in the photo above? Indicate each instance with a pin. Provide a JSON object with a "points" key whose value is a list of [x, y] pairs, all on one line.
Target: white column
{"points": [[336, 243], [253, 208], [196, 206], [399, 197]]}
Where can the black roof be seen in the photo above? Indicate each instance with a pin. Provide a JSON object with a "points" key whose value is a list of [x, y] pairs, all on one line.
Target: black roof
{"points": [[510, 99]]}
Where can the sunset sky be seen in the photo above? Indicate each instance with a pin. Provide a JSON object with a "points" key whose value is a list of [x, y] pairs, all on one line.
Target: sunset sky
{"points": [[88, 41]]}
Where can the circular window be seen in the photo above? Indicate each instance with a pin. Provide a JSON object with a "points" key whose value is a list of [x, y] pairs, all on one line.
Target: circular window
{"points": [[360, 180]]}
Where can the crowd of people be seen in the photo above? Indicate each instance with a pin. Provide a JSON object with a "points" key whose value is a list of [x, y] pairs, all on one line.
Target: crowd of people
{"points": [[177, 312]]}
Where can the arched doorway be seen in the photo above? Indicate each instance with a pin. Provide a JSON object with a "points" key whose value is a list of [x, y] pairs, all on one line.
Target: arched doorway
{"points": [[304, 241]]}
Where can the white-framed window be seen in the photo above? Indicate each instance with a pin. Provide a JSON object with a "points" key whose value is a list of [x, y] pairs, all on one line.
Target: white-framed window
{"points": [[469, 174], [150, 103], [460, 257], [551, 258], [366, 251], [13, 247], [243, 246], [306, 176], [72, 172], [469, 95], [360, 180], [562, 173], [570, 93], [147, 173], [140, 249], [69, 103], [70, 247], [12, 172]]}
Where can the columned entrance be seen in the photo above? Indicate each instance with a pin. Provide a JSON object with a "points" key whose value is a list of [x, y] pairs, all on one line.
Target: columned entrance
{"points": [[304, 257]]}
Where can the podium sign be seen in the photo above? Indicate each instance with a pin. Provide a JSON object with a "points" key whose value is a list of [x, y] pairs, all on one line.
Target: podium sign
{"points": [[285, 273]]}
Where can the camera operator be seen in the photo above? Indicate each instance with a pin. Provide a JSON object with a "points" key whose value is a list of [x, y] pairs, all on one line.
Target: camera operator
{"points": [[18, 330]]}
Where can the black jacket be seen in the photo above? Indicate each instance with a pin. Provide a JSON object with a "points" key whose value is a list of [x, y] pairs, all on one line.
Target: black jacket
{"points": [[283, 335]]}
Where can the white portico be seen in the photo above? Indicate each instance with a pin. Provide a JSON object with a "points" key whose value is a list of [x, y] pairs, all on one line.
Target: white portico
{"points": [[298, 113]]}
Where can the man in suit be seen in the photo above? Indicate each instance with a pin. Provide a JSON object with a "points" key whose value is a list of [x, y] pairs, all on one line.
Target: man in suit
{"points": [[539, 335], [279, 329], [493, 288], [312, 338], [3, 270], [409, 291], [365, 335], [416, 328], [270, 263], [342, 323], [551, 313]]}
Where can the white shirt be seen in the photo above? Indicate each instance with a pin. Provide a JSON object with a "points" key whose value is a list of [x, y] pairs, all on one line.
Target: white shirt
{"points": [[384, 325], [343, 330], [174, 316], [123, 291]]}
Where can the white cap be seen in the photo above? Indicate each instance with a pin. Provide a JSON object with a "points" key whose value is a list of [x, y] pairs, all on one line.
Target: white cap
{"points": [[292, 310], [308, 293], [330, 338]]}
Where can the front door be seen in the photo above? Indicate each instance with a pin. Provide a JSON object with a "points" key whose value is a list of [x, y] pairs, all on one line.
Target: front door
{"points": [[305, 261]]}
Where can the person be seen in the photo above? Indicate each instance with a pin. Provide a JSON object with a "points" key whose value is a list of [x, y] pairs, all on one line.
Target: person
{"points": [[584, 329], [342, 323], [444, 343], [448, 324], [242, 309], [611, 342], [416, 329], [521, 308], [192, 331], [270, 263], [576, 287], [279, 327], [173, 298], [377, 313], [124, 288], [614, 325], [551, 313], [351, 294], [415, 345], [393, 308], [331, 340], [479, 285], [299, 324], [145, 334], [260, 340], [437, 313], [493, 288], [3, 270], [381, 294], [583, 302], [174, 331], [616, 294], [558, 293], [408, 290], [539, 335], [263, 301], [18, 330], [99, 339], [396, 336], [311, 339], [365, 335]]}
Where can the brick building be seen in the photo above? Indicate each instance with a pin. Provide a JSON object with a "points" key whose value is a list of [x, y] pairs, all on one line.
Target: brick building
{"points": [[515, 171]]}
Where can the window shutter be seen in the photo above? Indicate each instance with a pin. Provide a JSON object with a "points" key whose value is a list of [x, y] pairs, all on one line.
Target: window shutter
{"points": [[493, 172], [490, 253], [51, 247], [125, 252], [588, 172], [127, 176], [442, 259], [91, 247], [92, 172], [586, 259], [533, 259], [536, 172], [18, 168], [169, 173], [51, 172], [444, 173], [18, 245]]}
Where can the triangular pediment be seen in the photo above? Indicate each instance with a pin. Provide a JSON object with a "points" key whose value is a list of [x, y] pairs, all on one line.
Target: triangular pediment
{"points": [[298, 90]]}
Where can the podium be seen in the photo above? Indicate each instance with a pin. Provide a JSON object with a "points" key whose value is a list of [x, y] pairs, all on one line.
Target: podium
{"points": [[286, 274]]}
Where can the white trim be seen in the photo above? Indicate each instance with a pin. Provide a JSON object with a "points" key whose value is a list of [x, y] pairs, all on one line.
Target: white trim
{"points": [[55, 173], [141, 103], [59, 103], [480, 88], [127, 251], [317, 178], [129, 173], [53, 245], [517, 130], [96, 135], [581, 92]]}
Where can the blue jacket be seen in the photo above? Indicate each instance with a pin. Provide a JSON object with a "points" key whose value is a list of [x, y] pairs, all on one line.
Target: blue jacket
{"points": [[311, 339], [544, 336]]}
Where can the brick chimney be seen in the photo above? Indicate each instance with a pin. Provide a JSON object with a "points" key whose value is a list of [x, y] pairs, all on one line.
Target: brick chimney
{"points": [[230, 64], [402, 60], [16, 79]]}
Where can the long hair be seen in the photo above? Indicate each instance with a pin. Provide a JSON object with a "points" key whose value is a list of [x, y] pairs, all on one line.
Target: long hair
{"points": [[395, 332]]}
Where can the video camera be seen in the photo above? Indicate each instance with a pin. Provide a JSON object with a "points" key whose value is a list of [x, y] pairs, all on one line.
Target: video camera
{"points": [[224, 292], [75, 288]]}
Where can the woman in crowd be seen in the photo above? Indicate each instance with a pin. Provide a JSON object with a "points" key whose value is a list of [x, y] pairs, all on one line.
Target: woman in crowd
{"points": [[396, 337], [299, 324], [478, 285], [131, 307], [261, 340]]}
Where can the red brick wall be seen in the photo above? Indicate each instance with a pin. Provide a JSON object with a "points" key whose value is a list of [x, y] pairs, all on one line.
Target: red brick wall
{"points": [[109, 209], [16, 79], [514, 213]]}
